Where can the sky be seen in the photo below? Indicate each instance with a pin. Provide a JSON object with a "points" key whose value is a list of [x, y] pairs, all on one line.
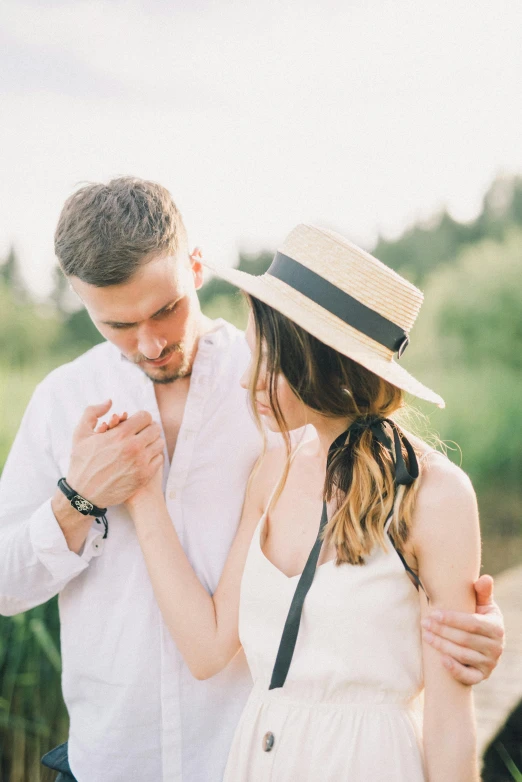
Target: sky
{"points": [[363, 115]]}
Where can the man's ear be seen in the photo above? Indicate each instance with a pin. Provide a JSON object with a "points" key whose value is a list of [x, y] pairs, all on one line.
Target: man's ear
{"points": [[197, 267]]}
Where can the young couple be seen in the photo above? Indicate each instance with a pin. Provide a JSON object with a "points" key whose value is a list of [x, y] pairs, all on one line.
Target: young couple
{"points": [[352, 532]]}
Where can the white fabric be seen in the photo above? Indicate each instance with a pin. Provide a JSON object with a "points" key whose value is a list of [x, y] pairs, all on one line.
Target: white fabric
{"points": [[350, 710], [136, 713]]}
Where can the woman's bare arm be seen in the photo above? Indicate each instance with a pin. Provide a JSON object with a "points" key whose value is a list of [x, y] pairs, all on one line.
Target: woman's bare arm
{"points": [[446, 540], [204, 627]]}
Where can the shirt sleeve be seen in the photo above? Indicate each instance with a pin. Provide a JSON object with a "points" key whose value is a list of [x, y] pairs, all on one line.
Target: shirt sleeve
{"points": [[35, 560]]}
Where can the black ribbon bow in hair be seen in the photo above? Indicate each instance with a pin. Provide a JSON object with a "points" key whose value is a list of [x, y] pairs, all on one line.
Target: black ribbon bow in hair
{"points": [[403, 476]]}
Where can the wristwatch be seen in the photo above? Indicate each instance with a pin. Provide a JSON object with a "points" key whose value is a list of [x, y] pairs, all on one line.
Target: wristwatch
{"points": [[82, 505]]}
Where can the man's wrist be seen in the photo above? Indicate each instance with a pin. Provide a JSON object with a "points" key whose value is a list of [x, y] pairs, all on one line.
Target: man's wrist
{"points": [[79, 501], [73, 524]]}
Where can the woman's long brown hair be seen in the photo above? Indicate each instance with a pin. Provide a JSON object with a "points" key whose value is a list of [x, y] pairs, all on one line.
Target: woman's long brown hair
{"points": [[360, 483]]}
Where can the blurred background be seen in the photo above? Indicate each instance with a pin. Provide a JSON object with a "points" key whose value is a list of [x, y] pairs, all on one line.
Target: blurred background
{"points": [[395, 123]]}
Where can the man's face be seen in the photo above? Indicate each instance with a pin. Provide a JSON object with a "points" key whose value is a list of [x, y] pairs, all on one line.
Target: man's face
{"points": [[154, 318]]}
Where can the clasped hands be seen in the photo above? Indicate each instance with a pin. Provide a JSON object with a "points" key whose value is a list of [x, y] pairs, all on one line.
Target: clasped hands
{"points": [[124, 465], [113, 469]]}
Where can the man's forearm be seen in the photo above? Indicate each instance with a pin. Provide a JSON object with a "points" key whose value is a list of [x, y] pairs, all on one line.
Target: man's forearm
{"points": [[73, 524]]}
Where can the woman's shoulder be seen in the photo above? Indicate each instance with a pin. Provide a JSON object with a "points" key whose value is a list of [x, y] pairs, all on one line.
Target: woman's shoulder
{"points": [[445, 510], [439, 475], [445, 533], [442, 479]]}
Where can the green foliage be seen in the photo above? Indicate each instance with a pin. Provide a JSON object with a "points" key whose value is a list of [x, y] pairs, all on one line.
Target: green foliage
{"points": [[26, 332], [231, 307], [219, 299], [16, 387], [11, 275], [255, 264], [32, 713], [483, 316], [33, 717], [503, 757], [423, 248], [468, 346], [77, 334], [515, 773]]}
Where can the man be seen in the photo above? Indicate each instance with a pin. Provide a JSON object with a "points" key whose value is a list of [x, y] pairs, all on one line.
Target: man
{"points": [[135, 711]]}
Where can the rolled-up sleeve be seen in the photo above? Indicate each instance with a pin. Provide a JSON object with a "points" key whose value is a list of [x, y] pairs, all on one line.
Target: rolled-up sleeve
{"points": [[35, 561]]}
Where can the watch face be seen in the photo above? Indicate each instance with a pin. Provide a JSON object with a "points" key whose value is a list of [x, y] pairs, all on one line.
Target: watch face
{"points": [[81, 504]]}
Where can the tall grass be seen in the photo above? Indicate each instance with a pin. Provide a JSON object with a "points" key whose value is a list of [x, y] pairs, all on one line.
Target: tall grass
{"points": [[33, 717]]}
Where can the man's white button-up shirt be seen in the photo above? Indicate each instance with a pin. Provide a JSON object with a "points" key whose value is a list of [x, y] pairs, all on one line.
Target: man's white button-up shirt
{"points": [[136, 712]]}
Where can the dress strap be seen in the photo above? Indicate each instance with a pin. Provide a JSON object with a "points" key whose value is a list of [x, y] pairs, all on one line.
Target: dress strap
{"points": [[417, 582], [403, 475], [293, 620]]}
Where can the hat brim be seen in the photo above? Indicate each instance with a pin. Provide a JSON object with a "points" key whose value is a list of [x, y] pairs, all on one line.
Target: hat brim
{"points": [[327, 328]]}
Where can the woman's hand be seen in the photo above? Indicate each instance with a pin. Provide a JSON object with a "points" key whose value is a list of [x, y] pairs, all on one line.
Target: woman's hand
{"points": [[147, 494], [114, 421]]}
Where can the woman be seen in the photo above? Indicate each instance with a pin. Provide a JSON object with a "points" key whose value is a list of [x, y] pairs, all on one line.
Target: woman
{"points": [[343, 541]]}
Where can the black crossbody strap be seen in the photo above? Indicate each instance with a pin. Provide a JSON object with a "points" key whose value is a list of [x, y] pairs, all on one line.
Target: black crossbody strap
{"points": [[403, 476], [293, 620], [418, 582]]}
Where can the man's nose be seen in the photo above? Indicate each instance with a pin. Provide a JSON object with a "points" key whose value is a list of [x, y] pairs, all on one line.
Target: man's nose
{"points": [[151, 344]]}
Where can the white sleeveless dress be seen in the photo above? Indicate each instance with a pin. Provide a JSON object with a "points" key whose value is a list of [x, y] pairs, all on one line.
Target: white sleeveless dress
{"points": [[351, 707]]}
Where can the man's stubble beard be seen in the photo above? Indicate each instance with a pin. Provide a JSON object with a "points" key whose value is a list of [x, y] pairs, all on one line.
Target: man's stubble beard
{"points": [[184, 370], [163, 381]]}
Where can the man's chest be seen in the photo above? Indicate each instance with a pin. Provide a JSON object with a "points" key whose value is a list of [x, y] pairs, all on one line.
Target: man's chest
{"points": [[171, 402]]}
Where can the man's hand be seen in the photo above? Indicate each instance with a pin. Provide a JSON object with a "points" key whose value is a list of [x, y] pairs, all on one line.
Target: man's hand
{"points": [[470, 644], [107, 470], [150, 490]]}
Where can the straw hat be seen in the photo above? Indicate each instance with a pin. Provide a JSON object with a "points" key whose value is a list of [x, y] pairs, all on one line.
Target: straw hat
{"points": [[344, 297]]}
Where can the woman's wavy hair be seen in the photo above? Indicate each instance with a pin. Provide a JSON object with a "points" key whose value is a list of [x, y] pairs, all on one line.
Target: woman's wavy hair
{"points": [[359, 480]]}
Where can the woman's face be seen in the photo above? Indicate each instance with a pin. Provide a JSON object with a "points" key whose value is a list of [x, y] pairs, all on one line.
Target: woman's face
{"points": [[295, 412]]}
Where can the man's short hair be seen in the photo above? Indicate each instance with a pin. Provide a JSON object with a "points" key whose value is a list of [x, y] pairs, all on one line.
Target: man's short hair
{"points": [[105, 232]]}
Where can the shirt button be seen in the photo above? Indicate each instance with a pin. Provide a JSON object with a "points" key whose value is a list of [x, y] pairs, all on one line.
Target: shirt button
{"points": [[172, 495], [268, 741]]}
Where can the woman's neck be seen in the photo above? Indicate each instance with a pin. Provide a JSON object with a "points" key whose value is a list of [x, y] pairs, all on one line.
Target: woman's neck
{"points": [[328, 429]]}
